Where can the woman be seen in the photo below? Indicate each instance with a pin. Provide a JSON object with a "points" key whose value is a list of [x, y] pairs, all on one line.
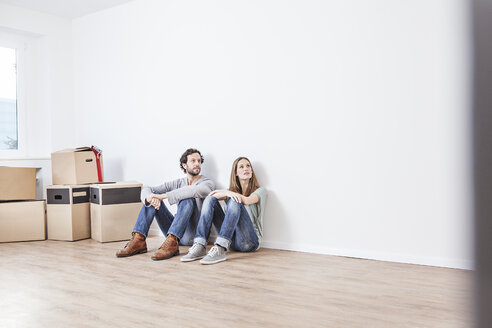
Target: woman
{"points": [[241, 227]]}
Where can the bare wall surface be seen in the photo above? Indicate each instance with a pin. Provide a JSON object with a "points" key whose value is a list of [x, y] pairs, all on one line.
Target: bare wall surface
{"points": [[47, 105], [355, 116]]}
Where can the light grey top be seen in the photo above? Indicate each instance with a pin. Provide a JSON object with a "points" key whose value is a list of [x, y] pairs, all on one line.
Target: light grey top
{"points": [[257, 210], [178, 189]]}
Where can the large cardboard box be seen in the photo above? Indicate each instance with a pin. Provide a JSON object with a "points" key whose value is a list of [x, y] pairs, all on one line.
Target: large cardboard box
{"points": [[17, 183], [68, 212], [75, 166], [114, 210], [22, 220]]}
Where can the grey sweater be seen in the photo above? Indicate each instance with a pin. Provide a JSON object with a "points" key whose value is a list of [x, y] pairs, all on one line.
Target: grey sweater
{"points": [[178, 189]]}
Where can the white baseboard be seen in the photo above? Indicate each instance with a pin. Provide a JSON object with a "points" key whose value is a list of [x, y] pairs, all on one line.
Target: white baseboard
{"points": [[391, 257], [368, 255]]}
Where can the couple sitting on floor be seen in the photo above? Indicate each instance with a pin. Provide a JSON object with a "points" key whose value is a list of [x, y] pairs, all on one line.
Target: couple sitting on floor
{"points": [[239, 228]]}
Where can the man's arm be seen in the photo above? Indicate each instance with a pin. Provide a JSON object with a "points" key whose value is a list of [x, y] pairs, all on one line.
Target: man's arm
{"points": [[148, 192], [200, 190]]}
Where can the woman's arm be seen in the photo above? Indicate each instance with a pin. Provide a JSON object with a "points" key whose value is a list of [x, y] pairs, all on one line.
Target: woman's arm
{"points": [[224, 193], [220, 194], [251, 199]]}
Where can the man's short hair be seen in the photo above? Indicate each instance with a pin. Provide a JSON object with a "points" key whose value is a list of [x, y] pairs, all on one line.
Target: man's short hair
{"points": [[184, 157]]}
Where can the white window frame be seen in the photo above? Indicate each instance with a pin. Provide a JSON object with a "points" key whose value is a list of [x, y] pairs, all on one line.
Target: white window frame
{"points": [[20, 44]]}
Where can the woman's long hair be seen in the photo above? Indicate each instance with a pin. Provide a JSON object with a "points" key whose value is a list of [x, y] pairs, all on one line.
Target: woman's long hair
{"points": [[234, 184]]}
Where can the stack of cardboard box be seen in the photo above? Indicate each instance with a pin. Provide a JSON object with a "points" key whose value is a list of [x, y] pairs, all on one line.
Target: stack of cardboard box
{"points": [[22, 217], [80, 205]]}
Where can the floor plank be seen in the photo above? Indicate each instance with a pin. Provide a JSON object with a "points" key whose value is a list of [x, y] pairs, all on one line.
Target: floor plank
{"points": [[82, 284]]}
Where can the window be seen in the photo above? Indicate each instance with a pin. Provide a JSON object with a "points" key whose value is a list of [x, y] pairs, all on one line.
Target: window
{"points": [[8, 99], [13, 135]]}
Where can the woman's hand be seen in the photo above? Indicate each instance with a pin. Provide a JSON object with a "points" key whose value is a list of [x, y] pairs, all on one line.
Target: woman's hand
{"points": [[223, 193], [220, 194], [234, 195]]}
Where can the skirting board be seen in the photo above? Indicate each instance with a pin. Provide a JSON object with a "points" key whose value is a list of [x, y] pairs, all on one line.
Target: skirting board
{"points": [[390, 257]]}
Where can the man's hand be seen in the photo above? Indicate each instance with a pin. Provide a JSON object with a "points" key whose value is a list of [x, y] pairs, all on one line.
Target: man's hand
{"points": [[155, 200], [159, 196]]}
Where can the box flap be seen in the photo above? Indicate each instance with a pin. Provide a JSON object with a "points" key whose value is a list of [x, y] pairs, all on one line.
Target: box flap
{"points": [[83, 149], [73, 150], [21, 201], [120, 184], [67, 186]]}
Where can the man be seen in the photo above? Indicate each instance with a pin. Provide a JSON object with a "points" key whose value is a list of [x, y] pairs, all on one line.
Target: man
{"points": [[188, 193]]}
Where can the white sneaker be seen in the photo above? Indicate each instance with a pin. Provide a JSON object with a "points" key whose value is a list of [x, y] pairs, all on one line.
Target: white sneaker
{"points": [[196, 252], [215, 255]]}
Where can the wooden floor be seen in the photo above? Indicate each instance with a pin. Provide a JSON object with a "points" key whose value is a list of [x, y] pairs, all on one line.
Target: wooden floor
{"points": [[82, 284]]}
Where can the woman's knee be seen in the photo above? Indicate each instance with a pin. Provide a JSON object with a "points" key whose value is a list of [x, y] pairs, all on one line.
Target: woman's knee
{"points": [[209, 202], [233, 205]]}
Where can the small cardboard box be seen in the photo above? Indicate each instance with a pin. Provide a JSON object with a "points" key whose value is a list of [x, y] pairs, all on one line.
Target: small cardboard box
{"points": [[114, 210], [68, 212], [75, 166], [23, 220], [17, 183]]}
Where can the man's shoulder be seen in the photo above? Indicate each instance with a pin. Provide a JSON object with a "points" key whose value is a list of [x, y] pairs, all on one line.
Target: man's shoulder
{"points": [[204, 178], [177, 182], [174, 180]]}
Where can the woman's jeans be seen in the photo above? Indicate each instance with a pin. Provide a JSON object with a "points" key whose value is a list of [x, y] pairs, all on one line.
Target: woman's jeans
{"points": [[235, 226], [183, 225]]}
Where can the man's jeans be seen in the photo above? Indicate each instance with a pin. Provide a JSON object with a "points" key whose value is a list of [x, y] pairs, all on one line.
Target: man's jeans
{"points": [[183, 225], [235, 226]]}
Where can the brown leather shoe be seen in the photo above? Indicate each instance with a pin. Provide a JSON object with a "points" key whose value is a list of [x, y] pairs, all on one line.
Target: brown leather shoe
{"points": [[168, 249], [136, 245]]}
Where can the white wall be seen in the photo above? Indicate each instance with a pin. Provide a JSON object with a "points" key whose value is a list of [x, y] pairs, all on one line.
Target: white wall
{"points": [[354, 113], [49, 117], [46, 113]]}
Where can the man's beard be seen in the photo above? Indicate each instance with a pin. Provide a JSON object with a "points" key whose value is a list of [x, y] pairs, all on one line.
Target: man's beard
{"points": [[190, 172]]}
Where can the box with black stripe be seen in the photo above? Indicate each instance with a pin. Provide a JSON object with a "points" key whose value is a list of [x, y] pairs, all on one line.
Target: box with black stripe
{"points": [[68, 212], [114, 210]]}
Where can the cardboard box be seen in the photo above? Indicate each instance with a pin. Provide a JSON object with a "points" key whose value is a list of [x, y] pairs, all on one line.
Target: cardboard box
{"points": [[68, 212], [75, 166], [17, 183], [22, 220], [114, 210]]}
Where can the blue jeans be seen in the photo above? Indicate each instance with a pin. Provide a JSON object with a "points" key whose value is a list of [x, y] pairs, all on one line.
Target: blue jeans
{"points": [[183, 225], [235, 226]]}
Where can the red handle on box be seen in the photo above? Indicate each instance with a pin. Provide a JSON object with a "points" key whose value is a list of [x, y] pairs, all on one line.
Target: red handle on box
{"points": [[98, 153]]}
